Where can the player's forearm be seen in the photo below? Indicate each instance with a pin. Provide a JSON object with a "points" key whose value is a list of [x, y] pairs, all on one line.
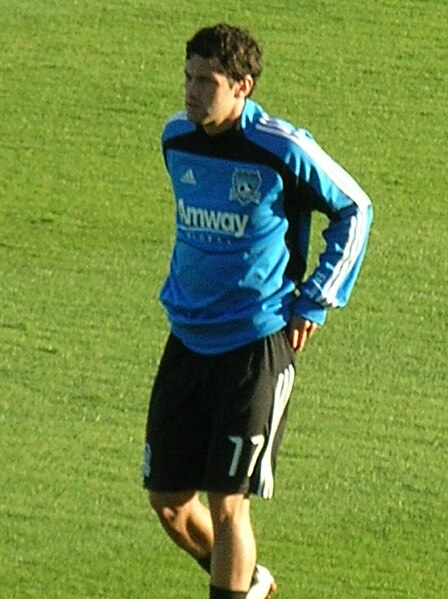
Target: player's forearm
{"points": [[331, 283]]}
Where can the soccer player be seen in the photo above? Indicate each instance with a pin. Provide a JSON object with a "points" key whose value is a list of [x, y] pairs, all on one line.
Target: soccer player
{"points": [[245, 187]]}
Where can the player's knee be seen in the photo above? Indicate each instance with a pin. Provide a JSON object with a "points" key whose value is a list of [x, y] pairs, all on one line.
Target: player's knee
{"points": [[228, 510], [160, 504], [170, 509]]}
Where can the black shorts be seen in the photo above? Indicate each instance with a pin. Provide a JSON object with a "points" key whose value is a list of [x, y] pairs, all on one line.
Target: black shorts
{"points": [[215, 422]]}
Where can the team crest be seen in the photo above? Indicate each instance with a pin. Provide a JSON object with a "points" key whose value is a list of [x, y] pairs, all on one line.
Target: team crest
{"points": [[245, 186]]}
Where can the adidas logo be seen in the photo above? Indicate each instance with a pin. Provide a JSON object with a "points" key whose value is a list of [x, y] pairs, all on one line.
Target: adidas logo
{"points": [[188, 177]]}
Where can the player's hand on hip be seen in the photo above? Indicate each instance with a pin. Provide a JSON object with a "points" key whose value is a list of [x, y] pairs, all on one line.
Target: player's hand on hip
{"points": [[300, 330]]}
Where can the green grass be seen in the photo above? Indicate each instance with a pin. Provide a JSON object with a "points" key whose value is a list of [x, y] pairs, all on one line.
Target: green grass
{"points": [[85, 234]]}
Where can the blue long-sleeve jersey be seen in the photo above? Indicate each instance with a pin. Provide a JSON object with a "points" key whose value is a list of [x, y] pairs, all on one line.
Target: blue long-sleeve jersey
{"points": [[244, 201]]}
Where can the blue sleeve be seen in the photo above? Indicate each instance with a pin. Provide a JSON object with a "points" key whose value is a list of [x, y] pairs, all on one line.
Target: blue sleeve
{"points": [[350, 215]]}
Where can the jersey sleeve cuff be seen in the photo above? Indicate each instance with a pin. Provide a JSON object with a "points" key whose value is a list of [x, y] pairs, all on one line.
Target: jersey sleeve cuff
{"points": [[310, 310]]}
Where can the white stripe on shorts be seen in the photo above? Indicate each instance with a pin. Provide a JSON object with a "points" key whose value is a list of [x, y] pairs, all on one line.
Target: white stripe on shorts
{"points": [[282, 393]]}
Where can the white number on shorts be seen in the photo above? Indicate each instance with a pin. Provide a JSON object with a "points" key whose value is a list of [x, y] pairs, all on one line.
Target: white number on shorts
{"points": [[257, 441]]}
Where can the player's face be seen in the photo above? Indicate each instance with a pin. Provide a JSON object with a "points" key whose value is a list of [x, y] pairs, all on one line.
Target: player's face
{"points": [[211, 99]]}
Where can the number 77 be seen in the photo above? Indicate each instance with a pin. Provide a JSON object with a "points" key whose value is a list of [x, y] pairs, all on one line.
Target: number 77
{"points": [[257, 441]]}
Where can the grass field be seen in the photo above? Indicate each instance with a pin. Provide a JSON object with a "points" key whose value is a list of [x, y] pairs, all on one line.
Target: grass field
{"points": [[361, 507]]}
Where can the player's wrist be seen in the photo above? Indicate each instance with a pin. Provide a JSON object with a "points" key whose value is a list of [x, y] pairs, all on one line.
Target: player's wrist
{"points": [[308, 309]]}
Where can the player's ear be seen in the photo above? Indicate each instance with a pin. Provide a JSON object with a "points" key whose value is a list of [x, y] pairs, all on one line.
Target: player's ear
{"points": [[245, 86]]}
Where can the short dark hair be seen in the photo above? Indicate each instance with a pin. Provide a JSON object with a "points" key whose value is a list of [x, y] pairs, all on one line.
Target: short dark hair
{"points": [[237, 51]]}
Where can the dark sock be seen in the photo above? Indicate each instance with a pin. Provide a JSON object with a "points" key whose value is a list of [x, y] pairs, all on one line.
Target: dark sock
{"points": [[217, 593], [205, 562]]}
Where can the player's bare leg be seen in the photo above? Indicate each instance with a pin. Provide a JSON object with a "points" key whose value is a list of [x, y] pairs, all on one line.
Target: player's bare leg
{"points": [[188, 523], [234, 552], [186, 520]]}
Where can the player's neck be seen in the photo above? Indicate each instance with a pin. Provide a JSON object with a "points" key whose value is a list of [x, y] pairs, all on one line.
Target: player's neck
{"points": [[226, 124]]}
